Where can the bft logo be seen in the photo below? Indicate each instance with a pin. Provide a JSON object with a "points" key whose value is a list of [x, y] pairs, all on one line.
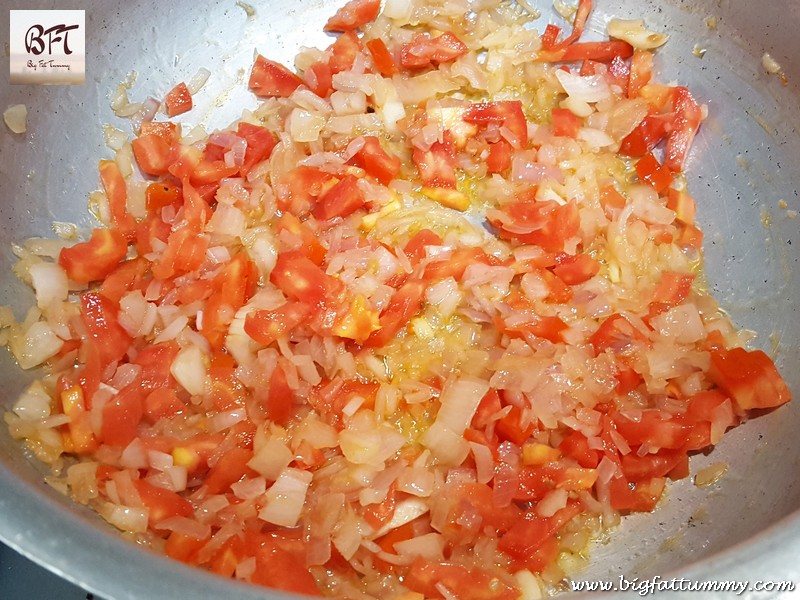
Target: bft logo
{"points": [[47, 46], [36, 36]]}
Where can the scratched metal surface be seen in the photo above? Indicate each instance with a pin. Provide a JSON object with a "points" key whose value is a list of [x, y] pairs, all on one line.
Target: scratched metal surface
{"points": [[746, 160]]}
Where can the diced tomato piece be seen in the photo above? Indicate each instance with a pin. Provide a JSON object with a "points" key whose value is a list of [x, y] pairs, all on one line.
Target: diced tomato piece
{"points": [[184, 547], [300, 279], [611, 200], [161, 403], [353, 15], [405, 303], [280, 564], [548, 328], [184, 160], [160, 194], [271, 79], [376, 161], [382, 58], [552, 224], [308, 241], [162, 503], [527, 535], [565, 123], [550, 36], [224, 388], [377, 515], [166, 130], [573, 270], [415, 248], [93, 260], [423, 51], [641, 71], [121, 417], [299, 189], [342, 200], [645, 136], [437, 165], [618, 335], [690, 237], [688, 115], [472, 584], [510, 427], [233, 286], [499, 158], [280, 400], [651, 172], [228, 557], [456, 263], [152, 154], [185, 252], [230, 468], [127, 276], [603, 52], [641, 496], [654, 428], [178, 100], [319, 79], [260, 143], [155, 361], [99, 315], [507, 113], [627, 380], [576, 446], [581, 16], [343, 52], [641, 468], [749, 377], [117, 194], [267, 326], [683, 205]]}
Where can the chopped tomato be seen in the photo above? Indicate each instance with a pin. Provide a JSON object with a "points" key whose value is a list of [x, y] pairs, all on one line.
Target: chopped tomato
{"points": [[319, 79], [162, 503], [573, 270], [749, 377], [618, 335], [654, 428], [672, 289], [683, 205], [178, 100], [300, 188], [280, 564], [550, 36], [653, 173], [152, 154], [162, 403], [280, 400], [510, 427], [548, 328], [550, 223], [641, 71], [121, 417], [507, 113], [270, 79], [423, 51], [260, 143], [117, 194], [230, 468], [233, 286], [343, 52], [425, 576], [499, 158], [93, 260], [645, 136], [376, 161], [166, 130], [641, 496], [603, 52], [527, 535], [353, 15], [404, 304], [301, 280], [581, 16], [641, 468], [267, 326], [382, 58], [437, 165], [377, 515], [456, 263], [415, 248], [184, 547], [342, 200], [576, 446], [619, 74], [155, 361], [160, 194], [99, 316], [688, 115], [307, 238], [611, 200], [185, 252], [565, 123]]}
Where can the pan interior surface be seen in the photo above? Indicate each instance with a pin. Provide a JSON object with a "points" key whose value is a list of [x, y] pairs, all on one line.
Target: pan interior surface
{"points": [[743, 171]]}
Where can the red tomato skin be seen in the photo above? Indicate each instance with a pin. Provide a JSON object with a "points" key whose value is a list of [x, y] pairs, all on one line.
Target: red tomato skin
{"points": [[270, 79], [94, 260], [178, 100], [353, 15], [99, 315]]}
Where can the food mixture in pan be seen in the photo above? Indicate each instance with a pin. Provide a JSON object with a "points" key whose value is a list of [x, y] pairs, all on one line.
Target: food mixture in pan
{"points": [[421, 325]]}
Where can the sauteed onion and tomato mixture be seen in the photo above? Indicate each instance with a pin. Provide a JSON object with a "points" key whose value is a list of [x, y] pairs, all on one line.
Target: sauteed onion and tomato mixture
{"points": [[421, 325]]}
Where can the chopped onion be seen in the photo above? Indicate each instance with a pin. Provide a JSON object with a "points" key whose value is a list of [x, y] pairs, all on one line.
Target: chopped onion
{"points": [[50, 283], [33, 404], [429, 546], [271, 459], [590, 88], [185, 526], [34, 346], [198, 80], [16, 118], [125, 518], [189, 369], [634, 32], [286, 498], [305, 126]]}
